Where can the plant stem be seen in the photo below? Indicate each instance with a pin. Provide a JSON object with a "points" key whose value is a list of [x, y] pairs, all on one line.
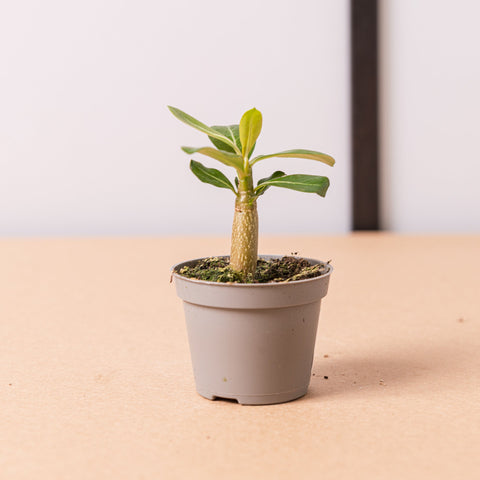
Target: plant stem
{"points": [[243, 255]]}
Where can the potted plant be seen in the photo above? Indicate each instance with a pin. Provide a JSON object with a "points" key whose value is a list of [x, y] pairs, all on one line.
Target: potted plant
{"points": [[251, 320]]}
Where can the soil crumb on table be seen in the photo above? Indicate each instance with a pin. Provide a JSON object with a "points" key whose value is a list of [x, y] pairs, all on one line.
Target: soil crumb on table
{"points": [[285, 269]]}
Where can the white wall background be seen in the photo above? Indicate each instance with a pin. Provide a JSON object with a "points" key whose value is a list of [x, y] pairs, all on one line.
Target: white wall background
{"points": [[88, 147], [431, 115]]}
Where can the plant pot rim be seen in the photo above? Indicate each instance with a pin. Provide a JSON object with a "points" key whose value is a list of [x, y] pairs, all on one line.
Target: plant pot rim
{"points": [[312, 261]]}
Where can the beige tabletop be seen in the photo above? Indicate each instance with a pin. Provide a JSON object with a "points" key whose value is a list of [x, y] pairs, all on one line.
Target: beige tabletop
{"points": [[96, 381]]}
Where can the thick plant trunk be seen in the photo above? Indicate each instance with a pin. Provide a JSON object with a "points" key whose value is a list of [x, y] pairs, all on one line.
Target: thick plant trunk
{"points": [[243, 255]]}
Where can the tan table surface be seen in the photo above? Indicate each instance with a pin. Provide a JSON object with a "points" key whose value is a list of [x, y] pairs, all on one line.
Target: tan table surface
{"points": [[96, 381]]}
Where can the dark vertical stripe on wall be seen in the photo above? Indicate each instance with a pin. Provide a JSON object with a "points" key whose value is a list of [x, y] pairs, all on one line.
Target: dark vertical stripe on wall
{"points": [[364, 67]]}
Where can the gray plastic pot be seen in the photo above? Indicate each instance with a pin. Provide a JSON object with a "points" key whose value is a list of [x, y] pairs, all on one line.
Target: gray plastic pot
{"points": [[252, 342]]}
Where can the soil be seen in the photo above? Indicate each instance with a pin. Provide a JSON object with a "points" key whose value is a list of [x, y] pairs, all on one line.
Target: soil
{"points": [[285, 269]]}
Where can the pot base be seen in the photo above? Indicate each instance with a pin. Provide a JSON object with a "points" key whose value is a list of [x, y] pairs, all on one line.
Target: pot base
{"points": [[270, 399]]}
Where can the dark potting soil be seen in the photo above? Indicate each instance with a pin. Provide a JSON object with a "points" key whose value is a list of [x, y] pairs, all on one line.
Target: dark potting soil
{"points": [[285, 269]]}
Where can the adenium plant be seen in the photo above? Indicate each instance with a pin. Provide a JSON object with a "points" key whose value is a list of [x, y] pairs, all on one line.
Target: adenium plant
{"points": [[233, 145]]}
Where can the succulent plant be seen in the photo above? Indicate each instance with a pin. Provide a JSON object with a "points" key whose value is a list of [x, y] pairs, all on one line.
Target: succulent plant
{"points": [[233, 145]]}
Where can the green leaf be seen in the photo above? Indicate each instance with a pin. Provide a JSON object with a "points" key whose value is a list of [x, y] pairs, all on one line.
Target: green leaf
{"points": [[260, 188], [301, 183], [250, 128], [193, 122], [299, 153], [210, 175], [232, 133], [226, 158]]}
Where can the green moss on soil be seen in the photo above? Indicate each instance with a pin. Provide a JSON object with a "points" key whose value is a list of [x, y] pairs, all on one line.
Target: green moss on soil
{"points": [[286, 269]]}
